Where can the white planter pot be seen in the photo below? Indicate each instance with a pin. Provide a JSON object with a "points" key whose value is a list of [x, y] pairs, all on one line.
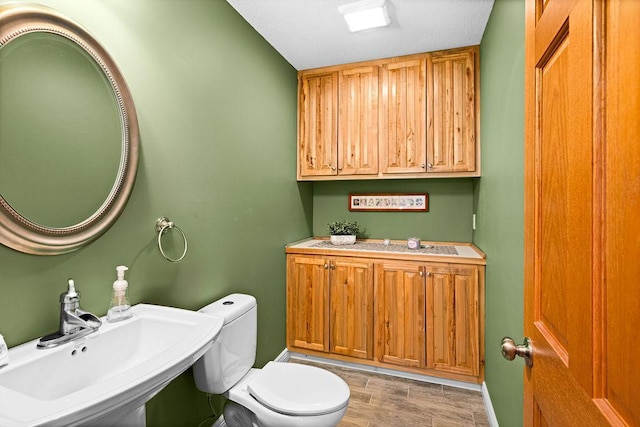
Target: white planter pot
{"points": [[343, 240]]}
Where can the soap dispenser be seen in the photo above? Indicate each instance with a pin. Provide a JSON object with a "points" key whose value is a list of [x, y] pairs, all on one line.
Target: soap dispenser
{"points": [[119, 309]]}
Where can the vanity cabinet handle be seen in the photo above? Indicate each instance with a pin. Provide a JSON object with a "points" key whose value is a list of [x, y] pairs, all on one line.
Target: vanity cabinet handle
{"points": [[326, 266]]}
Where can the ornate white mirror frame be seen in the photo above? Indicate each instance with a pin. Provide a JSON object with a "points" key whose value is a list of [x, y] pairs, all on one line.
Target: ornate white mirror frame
{"points": [[24, 235]]}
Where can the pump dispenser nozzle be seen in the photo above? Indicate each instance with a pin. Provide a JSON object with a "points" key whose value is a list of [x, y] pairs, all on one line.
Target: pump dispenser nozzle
{"points": [[120, 271]]}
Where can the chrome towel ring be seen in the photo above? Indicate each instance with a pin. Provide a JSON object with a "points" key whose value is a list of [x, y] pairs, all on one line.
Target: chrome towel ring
{"points": [[162, 226]]}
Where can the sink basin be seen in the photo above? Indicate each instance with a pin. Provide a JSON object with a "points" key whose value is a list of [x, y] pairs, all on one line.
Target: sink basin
{"points": [[104, 378]]}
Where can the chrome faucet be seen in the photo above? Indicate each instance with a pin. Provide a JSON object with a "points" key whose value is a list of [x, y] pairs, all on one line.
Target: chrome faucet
{"points": [[74, 322]]}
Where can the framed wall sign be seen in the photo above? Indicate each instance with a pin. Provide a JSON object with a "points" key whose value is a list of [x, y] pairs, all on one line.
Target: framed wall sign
{"points": [[384, 202]]}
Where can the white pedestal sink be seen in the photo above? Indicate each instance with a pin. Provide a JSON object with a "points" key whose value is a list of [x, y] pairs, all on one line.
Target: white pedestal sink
{"points": [[107, 377]]}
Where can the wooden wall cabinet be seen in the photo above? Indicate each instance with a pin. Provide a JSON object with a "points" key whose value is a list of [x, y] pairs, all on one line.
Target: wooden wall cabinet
{"points": [[338, 122], [414, 116], [408, 314], [452, 110], [403, 116], [317, 123], [358, 121]]}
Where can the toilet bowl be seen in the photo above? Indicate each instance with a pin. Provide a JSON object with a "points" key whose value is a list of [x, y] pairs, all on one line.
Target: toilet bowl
{"points": [[279, 394]]}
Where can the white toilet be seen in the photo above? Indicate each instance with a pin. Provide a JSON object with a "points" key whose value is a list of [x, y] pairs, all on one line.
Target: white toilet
{"points": [[278, 395]]}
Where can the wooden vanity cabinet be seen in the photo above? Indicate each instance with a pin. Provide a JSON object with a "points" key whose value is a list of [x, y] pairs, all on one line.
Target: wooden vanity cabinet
{"points": [[330, 305], [351, 307], [400, 313], [308, 302], [454, 318], [419, 316], [429, 316]]}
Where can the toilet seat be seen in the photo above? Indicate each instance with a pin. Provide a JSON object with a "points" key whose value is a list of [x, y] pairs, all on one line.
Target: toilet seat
{"points": [[295, 389]]}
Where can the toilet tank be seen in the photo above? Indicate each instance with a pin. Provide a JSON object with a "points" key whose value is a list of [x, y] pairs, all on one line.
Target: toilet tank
{"points": [[233, 353]]}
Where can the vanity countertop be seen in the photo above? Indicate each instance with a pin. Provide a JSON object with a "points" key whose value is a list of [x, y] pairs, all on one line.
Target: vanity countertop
{"points": [[450, 252]]}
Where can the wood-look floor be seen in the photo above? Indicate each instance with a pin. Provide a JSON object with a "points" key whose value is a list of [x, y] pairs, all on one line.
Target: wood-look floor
{"points": [[385, 401]]}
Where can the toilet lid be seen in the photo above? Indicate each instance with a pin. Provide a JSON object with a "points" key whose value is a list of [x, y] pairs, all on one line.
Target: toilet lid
{"points": [[295, 389]]}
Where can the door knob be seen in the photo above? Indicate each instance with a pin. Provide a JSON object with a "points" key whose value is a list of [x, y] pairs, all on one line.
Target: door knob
{"points": [[510, 350]]}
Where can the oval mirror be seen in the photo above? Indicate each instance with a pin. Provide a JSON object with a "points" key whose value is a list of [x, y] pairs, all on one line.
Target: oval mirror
{"points": [[68, 133]]}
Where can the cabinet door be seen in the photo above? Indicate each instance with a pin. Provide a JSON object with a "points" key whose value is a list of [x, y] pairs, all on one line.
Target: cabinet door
{"points": [[400, 313], [453, 319], [358, 119], [317, 124], [308, 302], [351, 322], [403, 117], [451, 145]]}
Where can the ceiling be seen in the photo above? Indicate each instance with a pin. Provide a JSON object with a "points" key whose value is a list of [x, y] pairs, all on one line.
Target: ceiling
{"points": [[311, 33]]}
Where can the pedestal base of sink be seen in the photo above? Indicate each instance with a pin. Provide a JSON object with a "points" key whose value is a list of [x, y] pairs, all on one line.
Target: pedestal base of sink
{"points": [[135, 418]]}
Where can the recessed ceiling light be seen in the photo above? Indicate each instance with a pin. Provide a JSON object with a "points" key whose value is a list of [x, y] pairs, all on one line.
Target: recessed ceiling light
{"points": [[365, 14]]}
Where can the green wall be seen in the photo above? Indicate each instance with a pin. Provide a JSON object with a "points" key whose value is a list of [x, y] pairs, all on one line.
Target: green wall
{"points": [[217, 108], [500, 202], [449, 217]]}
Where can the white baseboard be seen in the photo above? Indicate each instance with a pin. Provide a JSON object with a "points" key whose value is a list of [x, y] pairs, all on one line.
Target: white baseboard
{"points": [[283, 356], [385, 371], [488, 406]]}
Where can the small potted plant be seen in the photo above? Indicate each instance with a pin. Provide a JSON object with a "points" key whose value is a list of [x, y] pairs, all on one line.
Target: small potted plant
{"points": [[343, 232]]}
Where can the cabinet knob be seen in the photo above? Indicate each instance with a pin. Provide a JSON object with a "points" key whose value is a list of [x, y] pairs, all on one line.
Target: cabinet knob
{"points": [[333, 168], [423, 166], [421, 273], [326, 266], [430, 165]]}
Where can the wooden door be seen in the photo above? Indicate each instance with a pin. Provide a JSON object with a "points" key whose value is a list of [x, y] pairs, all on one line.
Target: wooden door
{"points": [[400, 313], [358, 121], [451, 143], [403, 116], [308, 302], [582, 198], [454, 301], [317, 124], [351, 321]]}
